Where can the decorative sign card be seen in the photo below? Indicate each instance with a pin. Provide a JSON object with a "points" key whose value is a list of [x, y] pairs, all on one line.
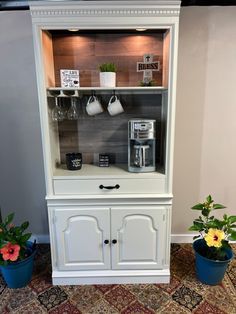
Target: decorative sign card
{"points": [[147, 67], [69, 78]]}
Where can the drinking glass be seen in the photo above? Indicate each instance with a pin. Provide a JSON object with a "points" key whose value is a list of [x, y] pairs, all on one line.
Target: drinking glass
{"points": [[57, 112], [72, 113]]}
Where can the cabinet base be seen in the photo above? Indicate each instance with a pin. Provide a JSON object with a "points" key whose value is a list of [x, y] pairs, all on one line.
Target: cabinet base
{"points": [[110, 277]]}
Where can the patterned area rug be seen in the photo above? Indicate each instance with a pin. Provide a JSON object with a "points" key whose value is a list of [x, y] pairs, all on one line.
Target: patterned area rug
{"points": [[184, 294]]}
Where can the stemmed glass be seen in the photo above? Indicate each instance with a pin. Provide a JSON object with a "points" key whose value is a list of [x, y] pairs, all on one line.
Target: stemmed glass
{"points": [[57, 112], [72, 113]]}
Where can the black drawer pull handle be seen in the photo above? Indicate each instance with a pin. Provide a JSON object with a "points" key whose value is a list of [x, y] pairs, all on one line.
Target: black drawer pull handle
{"points": [[109, 187], [114, 241], [106, 241]]}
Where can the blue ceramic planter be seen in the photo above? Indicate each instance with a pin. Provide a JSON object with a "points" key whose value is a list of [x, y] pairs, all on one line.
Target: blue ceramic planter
{"points": [[209, 271], [19, 274]]}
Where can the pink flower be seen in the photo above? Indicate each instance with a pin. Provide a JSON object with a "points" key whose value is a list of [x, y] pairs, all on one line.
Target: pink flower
{"points": [[10, 252]]}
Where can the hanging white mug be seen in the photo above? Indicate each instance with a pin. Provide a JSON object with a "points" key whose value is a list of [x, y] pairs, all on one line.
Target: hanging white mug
{"points": [[93, 106], [114, 106]]}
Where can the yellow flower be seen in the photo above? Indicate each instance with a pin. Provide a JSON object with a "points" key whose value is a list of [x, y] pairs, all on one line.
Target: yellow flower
{"points": [[214, 237]]}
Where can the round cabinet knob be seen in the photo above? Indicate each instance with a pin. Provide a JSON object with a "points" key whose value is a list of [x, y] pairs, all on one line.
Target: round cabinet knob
{"points": [[114, 241], [106, 241]]}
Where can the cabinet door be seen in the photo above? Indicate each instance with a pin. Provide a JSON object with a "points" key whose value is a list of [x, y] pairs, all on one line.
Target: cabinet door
{"points": [[80, 235], [140, 235]]}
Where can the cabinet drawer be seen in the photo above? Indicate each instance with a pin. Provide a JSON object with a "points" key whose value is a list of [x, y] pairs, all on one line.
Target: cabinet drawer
{"points": [[133, 186]]}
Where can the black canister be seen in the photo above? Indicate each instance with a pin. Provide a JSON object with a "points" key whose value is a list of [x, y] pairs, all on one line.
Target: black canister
{"points": [[74, 161]]}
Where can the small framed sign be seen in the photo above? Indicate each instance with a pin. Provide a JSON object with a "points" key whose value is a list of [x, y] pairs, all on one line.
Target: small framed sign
{"points": [[147, 67], [69, 78]]}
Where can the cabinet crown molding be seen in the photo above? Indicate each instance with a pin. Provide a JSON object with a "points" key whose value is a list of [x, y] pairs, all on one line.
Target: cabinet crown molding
{"points": [[104, 8]]}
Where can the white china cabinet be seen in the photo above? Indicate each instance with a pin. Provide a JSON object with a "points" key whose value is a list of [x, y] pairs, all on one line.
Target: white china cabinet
{"points": [[107, 225]]}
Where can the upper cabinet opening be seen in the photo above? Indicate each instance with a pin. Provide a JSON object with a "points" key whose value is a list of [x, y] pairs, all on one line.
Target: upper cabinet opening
{"points": [[85, 50]]}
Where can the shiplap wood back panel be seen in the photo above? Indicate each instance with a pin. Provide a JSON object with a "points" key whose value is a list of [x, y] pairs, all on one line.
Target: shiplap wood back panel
{"points": [[85, 52], [103, 133]]}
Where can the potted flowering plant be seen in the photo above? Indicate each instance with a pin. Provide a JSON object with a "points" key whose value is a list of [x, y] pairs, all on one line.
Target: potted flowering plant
{"points": [[16, 253], [211, 246]]}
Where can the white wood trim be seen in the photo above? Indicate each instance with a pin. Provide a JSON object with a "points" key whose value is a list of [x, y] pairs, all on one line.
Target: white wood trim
{"points": [[182, 238], [43, 107], [132, 199], [40, 238], [45, 9], [110, 277], [174, 31]]}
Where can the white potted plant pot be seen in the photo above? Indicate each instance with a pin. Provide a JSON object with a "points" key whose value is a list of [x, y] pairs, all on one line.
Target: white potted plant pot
{"points": [[107, 79], [107, 75]]}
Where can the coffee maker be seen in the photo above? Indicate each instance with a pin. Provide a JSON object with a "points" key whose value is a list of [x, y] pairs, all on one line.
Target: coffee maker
{"points": [[141, 145]]}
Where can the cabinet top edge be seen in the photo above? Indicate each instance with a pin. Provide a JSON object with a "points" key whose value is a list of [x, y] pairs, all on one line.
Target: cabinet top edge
{"points": [[58, 9], [108, 4]]}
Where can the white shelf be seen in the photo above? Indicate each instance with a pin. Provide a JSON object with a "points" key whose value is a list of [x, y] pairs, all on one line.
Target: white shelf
{"points": [[112, 172], [68, 91]]}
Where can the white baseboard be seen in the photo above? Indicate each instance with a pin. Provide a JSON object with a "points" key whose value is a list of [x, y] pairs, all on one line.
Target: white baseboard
{"points": [[182, 238], [40, 238]]}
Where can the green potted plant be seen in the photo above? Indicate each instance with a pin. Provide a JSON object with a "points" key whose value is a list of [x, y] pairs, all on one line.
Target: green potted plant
{"points": [[107, 74], [16, 253], [212, 249]]}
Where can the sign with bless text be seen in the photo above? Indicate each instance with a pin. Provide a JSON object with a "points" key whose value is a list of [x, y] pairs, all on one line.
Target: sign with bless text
{"points": [[147, 67]]}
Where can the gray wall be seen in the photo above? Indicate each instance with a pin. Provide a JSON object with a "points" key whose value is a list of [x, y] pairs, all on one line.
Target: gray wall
{"points": [[205, 150], [22, 188]]}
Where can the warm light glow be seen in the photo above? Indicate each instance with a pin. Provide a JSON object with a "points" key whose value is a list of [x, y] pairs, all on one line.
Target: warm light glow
{"points": [[141, 29], [73, 29]]}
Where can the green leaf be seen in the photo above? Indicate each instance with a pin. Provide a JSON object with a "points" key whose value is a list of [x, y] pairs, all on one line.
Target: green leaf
{"points": [[25, 237], [212, 224], [107, 67], [225, 244], [218, 206], [198, 206], [9, 218], [232, 236], [24, 225], [209, 199], [194, 228], [205, 212], [198, 221], [198, 224], [231, 219]]}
